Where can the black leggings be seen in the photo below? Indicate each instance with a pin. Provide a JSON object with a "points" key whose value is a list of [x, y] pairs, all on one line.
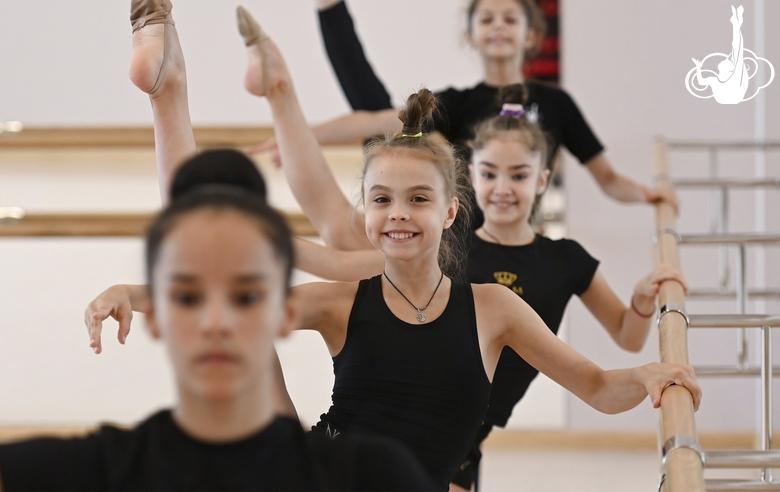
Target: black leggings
{"points": [[361, 86]]}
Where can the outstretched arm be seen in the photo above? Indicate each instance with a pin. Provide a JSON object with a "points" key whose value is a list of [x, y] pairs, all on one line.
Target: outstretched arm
{"points": [[628, 326], [305, 166], [358, 126], [624, 189], [333, 264], [509, 321], [119, 302]]}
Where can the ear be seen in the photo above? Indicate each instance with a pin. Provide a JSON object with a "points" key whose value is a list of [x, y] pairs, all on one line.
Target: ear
{"points": [[472, 173], [544, 179], [292, 316], [452, 212], [470, 38], [151, 322], [533, 39]]}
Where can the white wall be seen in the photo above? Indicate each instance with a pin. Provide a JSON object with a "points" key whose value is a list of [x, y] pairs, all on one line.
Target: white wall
{"points": [[624, 63]]}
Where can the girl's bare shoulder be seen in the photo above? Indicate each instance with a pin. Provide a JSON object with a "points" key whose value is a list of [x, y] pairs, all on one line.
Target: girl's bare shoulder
{"points": [[490, 294]]}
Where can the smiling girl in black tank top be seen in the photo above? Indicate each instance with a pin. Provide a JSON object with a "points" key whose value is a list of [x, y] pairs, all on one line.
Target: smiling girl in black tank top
{"points": [[423, 397]]}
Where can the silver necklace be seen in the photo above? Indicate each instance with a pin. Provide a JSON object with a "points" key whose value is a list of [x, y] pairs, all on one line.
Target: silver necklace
{"points": [[491, 236], [420, 315]]}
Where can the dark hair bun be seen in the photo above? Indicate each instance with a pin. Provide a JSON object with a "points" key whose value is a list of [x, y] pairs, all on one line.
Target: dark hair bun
{"points": [[418, 113], [513, 94], [220, 166]]}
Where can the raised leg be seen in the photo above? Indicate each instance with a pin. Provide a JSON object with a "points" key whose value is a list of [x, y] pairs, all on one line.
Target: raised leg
{"points": [[157, 68], [307, 172]]}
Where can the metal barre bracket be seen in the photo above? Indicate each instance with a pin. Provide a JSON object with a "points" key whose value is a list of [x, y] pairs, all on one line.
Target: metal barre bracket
{"points": [[673, 308], [676, 442], [660, 177], [667, 230], [681, 441]]}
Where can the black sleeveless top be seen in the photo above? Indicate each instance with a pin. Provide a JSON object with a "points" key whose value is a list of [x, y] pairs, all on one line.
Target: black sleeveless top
{"points": [[423, 384]]}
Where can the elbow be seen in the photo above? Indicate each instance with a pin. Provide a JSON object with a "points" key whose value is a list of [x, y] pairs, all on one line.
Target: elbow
{"points": [[603, 405], [634, 346]]}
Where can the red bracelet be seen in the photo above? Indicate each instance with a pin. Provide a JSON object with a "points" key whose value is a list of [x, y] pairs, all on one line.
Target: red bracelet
{"points": [[637, 310]]}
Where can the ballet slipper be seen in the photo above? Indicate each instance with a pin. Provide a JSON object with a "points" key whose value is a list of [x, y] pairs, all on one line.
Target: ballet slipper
{"points": [[267, 73], [248, 27], [149, 12]]}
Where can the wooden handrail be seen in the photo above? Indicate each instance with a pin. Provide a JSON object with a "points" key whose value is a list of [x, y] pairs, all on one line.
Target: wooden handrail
{"points": [[39, 138], [684, 469], [107, 225], [104, 137]]}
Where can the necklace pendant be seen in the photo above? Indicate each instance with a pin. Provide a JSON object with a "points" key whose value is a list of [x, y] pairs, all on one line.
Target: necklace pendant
{"points": [[420, 317]]}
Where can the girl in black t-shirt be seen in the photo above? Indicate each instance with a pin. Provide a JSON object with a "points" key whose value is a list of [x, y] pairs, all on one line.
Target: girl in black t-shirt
{"points": [[410, 193], [505, 33]]}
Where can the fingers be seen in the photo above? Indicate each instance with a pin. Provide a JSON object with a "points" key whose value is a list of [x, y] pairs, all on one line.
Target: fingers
{"points": [[667, 273], [666, 195], [276, 160], [677, 375], [124, 316], [94, 321], [114, 303]]}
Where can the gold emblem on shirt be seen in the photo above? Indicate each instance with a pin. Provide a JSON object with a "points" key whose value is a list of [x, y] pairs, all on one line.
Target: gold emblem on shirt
{"points": [[507, 279]]}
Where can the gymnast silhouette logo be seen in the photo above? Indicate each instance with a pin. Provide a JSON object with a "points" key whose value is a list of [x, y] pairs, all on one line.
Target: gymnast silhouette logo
{"points": [[735, 70]]}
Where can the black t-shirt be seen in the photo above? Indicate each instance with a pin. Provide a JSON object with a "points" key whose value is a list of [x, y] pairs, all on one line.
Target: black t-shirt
{"points": [[157, 455], [545, 273], [551, 108]]}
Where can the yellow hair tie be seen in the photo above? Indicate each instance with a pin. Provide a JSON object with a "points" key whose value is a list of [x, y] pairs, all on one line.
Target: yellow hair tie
{"points": [[416, 135]]}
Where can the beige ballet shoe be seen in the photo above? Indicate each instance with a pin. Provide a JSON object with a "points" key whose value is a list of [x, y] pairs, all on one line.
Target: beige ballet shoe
{"points": [[148, 12], [248, 27]]}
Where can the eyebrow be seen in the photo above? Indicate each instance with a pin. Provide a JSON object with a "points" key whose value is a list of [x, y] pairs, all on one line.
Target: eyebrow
{"points": [[513, 167], [248, 278], [412, 188], [251, 278]]}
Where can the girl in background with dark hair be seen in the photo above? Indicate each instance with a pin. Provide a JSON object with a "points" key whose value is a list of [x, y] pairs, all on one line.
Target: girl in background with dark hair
{"points": [[218, 264], [505, 33], [414, 350]]}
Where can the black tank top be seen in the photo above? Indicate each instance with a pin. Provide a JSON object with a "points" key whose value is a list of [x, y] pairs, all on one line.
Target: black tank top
{"points": [[424, 385]]}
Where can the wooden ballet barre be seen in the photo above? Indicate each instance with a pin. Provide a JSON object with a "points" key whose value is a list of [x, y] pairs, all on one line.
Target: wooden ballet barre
{"points": [[131, 137], [107, 225], [103, 137], [682, 459]]}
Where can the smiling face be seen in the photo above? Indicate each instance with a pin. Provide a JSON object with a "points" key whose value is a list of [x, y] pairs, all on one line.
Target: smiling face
{"points": [[507, 177], [499, 30], [407, 206], [219, 301]]}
